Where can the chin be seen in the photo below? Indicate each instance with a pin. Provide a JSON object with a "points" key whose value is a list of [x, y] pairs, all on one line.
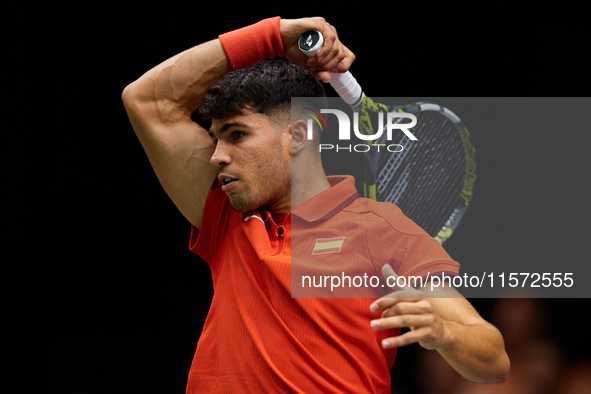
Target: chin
{"points": [[242, 206]]}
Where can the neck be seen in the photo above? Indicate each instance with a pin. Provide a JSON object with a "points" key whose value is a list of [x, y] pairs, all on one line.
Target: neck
{"points": [[304, 185], [307, 180], [279, 211]]}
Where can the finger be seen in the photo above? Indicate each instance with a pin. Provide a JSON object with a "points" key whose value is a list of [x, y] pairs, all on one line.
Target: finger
{"points": [[324, 76], [412, 307], [400, 294], [407, 293], [414, 321], [338, 55], [317, 65], [339, 61], [346, 62], [330, 40], [334, 57], [396, 297], [408, 338], [390, 276]]}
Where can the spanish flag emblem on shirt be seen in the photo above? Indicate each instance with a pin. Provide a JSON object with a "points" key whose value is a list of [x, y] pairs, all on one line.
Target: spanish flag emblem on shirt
{"points": [[328, 245]]}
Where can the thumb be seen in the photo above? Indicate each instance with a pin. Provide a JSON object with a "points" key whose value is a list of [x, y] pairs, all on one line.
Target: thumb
{"points": [[388, 272]]}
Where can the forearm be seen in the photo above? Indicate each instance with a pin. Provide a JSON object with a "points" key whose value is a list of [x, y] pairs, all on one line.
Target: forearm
{"points": [[180, 82], [174, 88], [441, 319], [476, 351]]}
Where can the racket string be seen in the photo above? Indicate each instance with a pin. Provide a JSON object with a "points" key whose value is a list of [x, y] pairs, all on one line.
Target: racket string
{"points": [[425, 180]]}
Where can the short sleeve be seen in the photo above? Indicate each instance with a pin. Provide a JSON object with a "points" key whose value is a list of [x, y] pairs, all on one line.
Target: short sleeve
{"points": [[397, 240]]}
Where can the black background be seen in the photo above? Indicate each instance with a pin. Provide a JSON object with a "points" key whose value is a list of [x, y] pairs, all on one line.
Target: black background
{"points": [[106, 296]]}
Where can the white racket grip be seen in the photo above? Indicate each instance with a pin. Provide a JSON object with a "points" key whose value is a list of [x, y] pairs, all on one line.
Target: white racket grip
{"points": [[347, 87]]}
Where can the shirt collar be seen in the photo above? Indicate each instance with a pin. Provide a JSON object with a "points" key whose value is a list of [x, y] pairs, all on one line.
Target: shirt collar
{"points": [[328, 203]]}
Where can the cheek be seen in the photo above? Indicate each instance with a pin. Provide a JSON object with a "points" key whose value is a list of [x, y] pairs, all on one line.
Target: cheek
{"points": [[287, 146], [275, 169]]}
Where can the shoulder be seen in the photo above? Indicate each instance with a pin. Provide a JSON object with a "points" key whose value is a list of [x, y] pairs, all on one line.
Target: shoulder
{"points": [[382, 215]]}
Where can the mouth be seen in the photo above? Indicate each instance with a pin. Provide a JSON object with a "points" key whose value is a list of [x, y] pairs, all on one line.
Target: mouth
{"points": [[227, 181]]}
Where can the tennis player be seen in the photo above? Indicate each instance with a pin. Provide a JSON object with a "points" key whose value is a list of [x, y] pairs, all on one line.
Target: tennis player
{"points": [[254, 178]]}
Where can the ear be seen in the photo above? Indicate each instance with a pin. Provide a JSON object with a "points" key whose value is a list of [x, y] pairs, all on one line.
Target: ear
{"points": [[299, 136]]}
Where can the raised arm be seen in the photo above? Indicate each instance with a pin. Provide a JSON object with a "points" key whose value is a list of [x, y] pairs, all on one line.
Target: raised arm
{"points": [[160, 102], [159, 105]]}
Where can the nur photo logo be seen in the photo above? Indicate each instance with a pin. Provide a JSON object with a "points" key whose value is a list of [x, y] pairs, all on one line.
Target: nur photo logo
{"points": [[391, 124]]}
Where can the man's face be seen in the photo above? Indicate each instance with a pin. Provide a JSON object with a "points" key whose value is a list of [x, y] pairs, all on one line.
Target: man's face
{"points": [[252, 155]]}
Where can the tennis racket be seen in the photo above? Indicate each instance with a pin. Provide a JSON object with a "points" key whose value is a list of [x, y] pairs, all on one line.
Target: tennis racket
{"points": [[432, 178]]}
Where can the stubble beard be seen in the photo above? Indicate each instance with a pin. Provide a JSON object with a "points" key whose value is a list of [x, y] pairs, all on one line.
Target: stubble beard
{"points": [[272, 186]]}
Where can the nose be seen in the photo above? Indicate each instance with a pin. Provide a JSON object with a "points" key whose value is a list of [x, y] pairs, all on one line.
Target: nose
{"points": [[220, 155]]}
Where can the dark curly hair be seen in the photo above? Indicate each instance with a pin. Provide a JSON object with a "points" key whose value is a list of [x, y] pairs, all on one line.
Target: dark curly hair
{"points": [[262, 88]]}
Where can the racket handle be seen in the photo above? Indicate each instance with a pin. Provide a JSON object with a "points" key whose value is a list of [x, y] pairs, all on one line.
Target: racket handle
{"points": [[347, 87]]}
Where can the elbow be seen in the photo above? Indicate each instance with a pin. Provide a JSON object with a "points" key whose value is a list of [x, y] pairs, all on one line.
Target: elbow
{"points": [[134, 98], [492, 371], [498, 373], [129, 94], [504, 369]]}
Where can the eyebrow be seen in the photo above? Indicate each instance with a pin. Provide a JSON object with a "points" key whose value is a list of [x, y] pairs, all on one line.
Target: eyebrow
{"points": [[226, 127]]}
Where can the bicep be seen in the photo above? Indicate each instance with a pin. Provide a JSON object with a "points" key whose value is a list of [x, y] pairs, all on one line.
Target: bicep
{"points": [[159, 105], [179, 153]]}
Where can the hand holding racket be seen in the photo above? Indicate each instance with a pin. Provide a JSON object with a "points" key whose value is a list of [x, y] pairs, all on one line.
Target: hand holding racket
{"points": [[431, 179]]}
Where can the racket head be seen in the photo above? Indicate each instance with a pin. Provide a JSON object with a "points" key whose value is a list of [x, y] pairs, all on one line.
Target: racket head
{"points": [[431, 179]]}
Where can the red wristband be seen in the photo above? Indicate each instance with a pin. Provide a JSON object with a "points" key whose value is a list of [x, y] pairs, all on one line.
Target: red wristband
{"points": [[251, 44]]}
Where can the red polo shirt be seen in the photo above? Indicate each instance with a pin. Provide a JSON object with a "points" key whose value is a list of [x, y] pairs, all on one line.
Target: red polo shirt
{"points": [[257, 338]]}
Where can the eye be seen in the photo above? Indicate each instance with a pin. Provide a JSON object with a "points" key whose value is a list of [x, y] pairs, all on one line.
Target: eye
{"points": [[236, 135]]}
